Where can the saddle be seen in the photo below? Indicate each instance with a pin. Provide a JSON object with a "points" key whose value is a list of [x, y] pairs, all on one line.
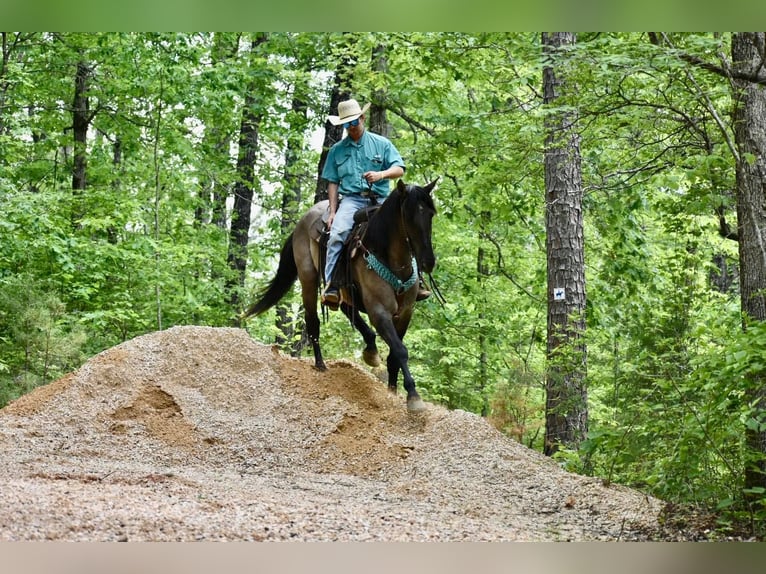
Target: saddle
{"points": [[320, 233], [320, 229]]}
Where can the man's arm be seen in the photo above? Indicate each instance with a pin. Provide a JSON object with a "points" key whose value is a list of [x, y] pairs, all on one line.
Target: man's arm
{"points": [[391, 173], [332, 195]]}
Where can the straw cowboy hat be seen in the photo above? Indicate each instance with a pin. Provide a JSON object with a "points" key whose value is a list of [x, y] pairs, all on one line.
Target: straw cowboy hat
{"points": [[348, 111]]}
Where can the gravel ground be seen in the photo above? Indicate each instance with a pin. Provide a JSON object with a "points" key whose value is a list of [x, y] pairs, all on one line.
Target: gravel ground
{"points": [[198, 433]]}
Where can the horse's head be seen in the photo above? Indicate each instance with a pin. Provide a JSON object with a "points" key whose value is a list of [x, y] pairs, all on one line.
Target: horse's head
{"points": [[418, 210]]}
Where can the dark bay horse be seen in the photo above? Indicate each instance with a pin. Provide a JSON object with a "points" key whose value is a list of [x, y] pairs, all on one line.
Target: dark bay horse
{"points": [[384, 272]]}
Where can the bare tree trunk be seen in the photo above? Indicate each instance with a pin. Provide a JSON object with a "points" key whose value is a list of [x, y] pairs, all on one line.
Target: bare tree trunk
{"points": [[566, 408], [252, 115], [748, 51]]}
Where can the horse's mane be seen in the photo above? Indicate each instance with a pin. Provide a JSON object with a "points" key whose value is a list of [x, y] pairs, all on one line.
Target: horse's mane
{"points": [[382, 222]]}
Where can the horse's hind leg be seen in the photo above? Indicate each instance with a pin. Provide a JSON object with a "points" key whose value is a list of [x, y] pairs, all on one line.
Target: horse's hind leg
{"points": [[312, 328], [370, 353], [309, 295]]}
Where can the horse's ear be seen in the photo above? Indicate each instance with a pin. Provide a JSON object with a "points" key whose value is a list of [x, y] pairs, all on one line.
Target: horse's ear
{"points": [[401, 187], [430, 187]]}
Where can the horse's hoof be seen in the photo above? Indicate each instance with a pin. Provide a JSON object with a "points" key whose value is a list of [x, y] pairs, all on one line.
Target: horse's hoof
{"points": [[321, 368], [371, 357], [415, 405]]}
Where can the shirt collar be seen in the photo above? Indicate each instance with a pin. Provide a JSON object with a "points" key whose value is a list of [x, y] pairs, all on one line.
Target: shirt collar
{"points": [[351, 142]]}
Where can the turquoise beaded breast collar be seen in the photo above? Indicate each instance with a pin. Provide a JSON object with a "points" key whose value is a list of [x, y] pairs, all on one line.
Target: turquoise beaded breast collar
{"points": [[388, 276]]}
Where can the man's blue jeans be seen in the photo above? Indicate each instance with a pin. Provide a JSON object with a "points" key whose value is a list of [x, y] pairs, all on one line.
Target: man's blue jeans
{"points": [[341, 227]]}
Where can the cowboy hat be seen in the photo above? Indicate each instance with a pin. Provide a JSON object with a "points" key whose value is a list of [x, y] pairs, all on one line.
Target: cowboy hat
{"points": [[347, 111]]}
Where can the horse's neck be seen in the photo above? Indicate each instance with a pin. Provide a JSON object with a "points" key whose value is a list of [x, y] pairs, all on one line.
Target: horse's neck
{"points": [[388, 237]]}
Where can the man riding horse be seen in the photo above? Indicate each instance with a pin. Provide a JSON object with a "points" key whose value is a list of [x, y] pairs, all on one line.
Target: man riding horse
{"points": [[358, 168]]}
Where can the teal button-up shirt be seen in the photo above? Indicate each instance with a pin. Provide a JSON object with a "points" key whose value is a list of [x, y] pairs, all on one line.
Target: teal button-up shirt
{"points": [[348, 160]]}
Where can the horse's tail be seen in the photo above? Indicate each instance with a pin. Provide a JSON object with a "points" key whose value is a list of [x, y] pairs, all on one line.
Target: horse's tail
{"points": [[287, 273]]}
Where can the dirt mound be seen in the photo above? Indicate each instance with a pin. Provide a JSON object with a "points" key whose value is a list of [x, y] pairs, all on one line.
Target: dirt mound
{"points": [[201, 433]]}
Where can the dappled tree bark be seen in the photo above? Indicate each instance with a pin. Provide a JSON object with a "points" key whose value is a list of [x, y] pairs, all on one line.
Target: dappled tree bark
{"points": [[80, 123], [566, 410], [252, 115], [378, 122], [748, 53]]}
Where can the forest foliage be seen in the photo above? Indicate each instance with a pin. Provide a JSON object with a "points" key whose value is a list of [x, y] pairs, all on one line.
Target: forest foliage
{"points": [[144, 246]]}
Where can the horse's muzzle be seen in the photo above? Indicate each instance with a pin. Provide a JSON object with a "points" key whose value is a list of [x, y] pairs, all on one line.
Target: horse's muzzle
{"points": [[428, 264]]}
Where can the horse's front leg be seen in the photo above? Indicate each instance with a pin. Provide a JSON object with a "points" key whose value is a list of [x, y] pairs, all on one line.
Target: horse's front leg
{"points": [[370, 353], [398, 359], [392, 365]]}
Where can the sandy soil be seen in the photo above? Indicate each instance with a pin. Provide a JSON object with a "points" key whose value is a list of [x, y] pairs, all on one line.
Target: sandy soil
{"points": [[197, 433]]}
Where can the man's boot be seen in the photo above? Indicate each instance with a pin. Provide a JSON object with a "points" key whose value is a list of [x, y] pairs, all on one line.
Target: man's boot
{"points": [[331, 297], [423, 293]]}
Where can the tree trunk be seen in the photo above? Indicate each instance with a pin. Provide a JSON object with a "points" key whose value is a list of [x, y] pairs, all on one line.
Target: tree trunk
{"points": [[243, 189], [5, 54], [80, 122], [291, 200], [333, 134], [566, 409], [378, 122], [112, 231], [216, 142], [482, 272], [750, 136]]}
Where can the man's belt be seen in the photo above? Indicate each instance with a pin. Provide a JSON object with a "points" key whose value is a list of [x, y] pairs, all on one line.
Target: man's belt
{"points": [[371, 195]]}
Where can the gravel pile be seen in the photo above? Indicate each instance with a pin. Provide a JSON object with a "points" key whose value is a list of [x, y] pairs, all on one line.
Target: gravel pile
{"points": [[198, 433]]}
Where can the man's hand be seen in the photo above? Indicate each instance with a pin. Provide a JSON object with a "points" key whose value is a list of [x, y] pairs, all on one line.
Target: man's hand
{"points": [[372, 176]]}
